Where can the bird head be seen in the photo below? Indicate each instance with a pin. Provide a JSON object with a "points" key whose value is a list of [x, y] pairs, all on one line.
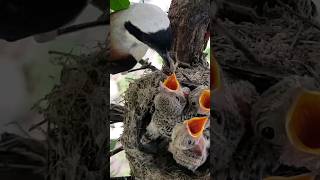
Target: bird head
{"points": [[195, 126], [303, 122]]}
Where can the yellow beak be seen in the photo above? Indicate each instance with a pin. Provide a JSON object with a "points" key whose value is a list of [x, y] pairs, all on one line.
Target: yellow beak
{"points": [[195, 126], [303, 122]]}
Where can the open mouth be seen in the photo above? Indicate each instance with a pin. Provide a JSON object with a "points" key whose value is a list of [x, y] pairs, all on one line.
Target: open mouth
{"points": [[215, 82], [303, 122], [196, 126], [204, 101], [171, 83]]}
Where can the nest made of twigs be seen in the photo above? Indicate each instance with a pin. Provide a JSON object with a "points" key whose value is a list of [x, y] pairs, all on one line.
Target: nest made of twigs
{"points": [[139, 104], [284, 44], [77, 112]]}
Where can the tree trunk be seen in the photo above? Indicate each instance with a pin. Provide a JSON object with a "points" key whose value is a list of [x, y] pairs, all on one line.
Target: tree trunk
{"points": [[189, 22]]}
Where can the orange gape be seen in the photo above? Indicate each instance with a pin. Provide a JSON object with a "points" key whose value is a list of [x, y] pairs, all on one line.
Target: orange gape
{"points": [[303, 122], [204, 100], [215, 81], [172, 83], [196, 126]]}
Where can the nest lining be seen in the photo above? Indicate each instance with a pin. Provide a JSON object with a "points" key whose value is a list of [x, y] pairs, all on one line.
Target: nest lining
{"points": [[139, 106]]}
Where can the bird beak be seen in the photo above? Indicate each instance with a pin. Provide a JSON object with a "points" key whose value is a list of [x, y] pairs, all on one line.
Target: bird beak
{"points": [[299, 177], [303, 122], [215, 79], [171, 83], [204, 101], [170, 67], [196, 126]]}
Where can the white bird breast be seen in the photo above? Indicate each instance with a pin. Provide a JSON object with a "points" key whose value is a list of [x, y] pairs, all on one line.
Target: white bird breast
{"points": [[147, 17]]}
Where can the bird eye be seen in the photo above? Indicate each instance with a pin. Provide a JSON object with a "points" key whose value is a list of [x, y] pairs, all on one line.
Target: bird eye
{"points": [[189, 142], [193, 103], [177, 98], [268, 133]]}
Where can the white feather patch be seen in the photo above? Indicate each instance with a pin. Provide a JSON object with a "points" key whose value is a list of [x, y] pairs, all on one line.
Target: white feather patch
{"points": [[147, 17]]}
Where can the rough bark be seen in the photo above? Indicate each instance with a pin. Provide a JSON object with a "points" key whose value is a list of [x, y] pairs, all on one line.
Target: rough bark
{"points": [[189, 22]]}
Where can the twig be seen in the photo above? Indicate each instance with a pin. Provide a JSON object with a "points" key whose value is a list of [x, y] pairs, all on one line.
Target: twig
{"points": [[63, 54], [310, 70], [79, 27], [19, 166], [237, 43], [146, 63], [38, 124], [138, 69], [122, 178], [305, 19], [114, 152], [296, 37], [185, 76]]}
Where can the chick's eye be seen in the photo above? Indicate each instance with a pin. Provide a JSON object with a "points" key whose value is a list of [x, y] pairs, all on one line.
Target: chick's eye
{"points": [[267, 132], [189, 142]]}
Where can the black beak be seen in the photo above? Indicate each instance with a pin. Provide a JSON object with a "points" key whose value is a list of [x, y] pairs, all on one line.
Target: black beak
{"points": [[169, 64]]}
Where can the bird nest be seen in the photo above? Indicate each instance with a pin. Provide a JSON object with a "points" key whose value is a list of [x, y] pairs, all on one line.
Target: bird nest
{"points": [[139, 106], [77, 116]]}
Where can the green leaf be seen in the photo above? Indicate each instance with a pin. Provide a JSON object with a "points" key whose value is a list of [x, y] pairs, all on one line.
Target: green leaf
{"points": [[117, 5]]}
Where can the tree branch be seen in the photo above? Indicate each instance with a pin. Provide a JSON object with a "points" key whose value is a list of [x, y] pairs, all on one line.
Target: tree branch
{"points": [[79, 27], [116, 113], [114, 152]]}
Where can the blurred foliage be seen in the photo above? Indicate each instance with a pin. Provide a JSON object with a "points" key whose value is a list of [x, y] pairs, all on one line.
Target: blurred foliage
{"points": [[124, 82], [117, 5], [113, 143], [41, 77]]}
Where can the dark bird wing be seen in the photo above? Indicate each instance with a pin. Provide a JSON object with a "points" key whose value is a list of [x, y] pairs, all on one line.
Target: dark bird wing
{"points": [[20, 19]]}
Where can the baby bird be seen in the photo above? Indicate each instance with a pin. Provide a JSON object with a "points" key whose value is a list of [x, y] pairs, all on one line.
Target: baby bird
{"points": [[288, 116], [227, 125], [199, 101], [189, 145], [169, 105]]}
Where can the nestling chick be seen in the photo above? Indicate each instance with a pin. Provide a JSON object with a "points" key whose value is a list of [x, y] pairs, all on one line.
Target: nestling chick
{"points": [[288, 116], [199, 101], [169, 105], [189, 145], [227, 125]]}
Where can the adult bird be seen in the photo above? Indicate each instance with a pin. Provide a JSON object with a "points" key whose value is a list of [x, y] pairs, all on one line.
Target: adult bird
{"points": [[134, 30]]}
